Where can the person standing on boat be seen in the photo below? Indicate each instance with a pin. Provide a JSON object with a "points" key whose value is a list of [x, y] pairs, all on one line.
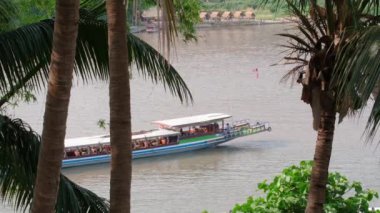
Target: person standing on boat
{"points": [[228, 130]]}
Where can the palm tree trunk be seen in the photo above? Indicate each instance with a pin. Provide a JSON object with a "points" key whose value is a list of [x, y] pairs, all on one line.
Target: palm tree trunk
{"points": [[120, 112], [319, 176], [57, 101]]}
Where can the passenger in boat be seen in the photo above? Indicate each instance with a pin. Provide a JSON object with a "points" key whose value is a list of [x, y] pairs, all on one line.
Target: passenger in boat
{"points": [[146, 145], [107, 149], [216, 127], [181, 131], [83, 151], [228, 130], [154, 142], [192, 130], [76, 153], [94, 151], [163, 141]]}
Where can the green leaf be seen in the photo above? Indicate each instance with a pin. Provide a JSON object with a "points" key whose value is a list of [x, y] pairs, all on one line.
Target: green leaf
{"points": [[19, 147]]}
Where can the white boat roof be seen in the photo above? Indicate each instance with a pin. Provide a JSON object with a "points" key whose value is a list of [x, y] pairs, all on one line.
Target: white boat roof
{"points": [[155, 133], [192, 120], [87, 141]]}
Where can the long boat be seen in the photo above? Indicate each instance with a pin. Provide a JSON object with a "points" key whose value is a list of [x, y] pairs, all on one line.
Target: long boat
{"points": [[172, 136]]}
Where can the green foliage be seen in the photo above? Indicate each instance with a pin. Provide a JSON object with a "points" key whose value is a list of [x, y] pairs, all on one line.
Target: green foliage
{"points": [[102, 124], [31, 11], [188, 16], [19, 148], [7, 13], [288, 193]]}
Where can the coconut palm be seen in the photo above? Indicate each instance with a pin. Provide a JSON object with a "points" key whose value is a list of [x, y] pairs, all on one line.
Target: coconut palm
{"points": [[335, 49], [57, 106], [25, 63], [19, 149], [120, 106]]}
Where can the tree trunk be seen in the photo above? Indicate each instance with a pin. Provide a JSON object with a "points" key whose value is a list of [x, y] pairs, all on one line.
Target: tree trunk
{"points": [[120, 112], [57, 102], [319, 176]]}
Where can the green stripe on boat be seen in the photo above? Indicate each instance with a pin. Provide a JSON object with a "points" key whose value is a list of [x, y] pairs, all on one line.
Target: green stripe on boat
{"points": [[189, 140]]}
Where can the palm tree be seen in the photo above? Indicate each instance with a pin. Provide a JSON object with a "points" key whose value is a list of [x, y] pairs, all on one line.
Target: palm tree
{"points": [[19, 149], [336, 55], [120, 111], [91, 59], [120, 106], [57, 106]]}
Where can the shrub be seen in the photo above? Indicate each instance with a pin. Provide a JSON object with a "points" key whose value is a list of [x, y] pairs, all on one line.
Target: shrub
{"points": [[288, 193]]}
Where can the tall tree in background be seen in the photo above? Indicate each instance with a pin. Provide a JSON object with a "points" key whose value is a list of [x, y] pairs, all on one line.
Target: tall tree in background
{"points": [[336, 54], [56, 108]]}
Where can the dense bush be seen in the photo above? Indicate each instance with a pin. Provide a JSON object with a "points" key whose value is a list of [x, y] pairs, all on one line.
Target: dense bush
{"points": [[288, 193]]}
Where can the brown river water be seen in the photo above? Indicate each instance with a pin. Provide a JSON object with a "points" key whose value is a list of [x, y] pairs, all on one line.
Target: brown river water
{"points": [[218, 70]]}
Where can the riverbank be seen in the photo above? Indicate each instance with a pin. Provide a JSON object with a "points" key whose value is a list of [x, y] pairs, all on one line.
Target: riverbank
{"points": [[242, 23], [209, 24]]}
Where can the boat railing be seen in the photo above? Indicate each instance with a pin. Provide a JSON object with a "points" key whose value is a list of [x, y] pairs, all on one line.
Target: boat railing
{"points": [[248, 129], [241, 122]]}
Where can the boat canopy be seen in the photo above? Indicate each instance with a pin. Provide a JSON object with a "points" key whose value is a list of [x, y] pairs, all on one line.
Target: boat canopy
{"points": [[103, 139], [87, 141], [154, 134], [192, 120]]}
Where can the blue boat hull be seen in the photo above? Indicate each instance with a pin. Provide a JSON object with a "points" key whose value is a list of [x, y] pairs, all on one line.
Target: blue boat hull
{"points": [[152, 152]]}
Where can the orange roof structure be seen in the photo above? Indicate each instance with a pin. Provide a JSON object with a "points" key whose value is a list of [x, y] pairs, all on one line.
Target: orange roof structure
{"points": [[214, 15], [202, 15], [227, 15], [249, 14]]}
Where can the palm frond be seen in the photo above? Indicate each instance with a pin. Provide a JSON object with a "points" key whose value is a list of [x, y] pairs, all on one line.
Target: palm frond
{"points": [[22, 50], [93, 9], [303, 19], [18, 161], [168, 28], [150, 63], [369, 7], [19, 146], [293, 73], [74, 198], [91, 60], [29, 47], [357, 74], [300, 41]]}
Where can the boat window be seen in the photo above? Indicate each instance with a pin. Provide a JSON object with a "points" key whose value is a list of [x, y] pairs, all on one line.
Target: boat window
{"points": [[173, 139]]}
